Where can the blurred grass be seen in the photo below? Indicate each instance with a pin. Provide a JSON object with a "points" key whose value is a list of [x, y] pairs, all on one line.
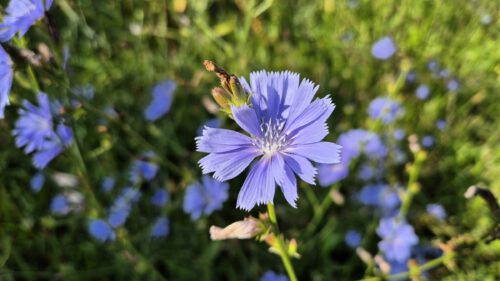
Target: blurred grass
{"points": [[124, 47]]}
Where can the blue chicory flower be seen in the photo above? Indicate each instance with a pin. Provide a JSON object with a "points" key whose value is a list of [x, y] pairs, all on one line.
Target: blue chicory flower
{"points": [[433, 65], [20, 16], [453, 85], [163, 95], [101, 231], [108, 183], [384, 109], [422, 92], [160, 228], [381, 196], [384, 48], [160, 197], [143, 169], [6, 76], [37, 182], [353, 238], [36, 132], [427, 141], [399, 134], [398, 238], [59, 205], [353, 143], [122, 206], [272, 276], [436, 210], [205, 197], [441, 124], [286, 130]]}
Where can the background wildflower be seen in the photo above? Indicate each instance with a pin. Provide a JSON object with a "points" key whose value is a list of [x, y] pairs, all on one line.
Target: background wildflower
{"points": [[384, 48], [101, 231], [352, 238], [398, 238], [163, 95], [272, 276], [385, 109], [205, 197], [160, 228], [37, 182]]}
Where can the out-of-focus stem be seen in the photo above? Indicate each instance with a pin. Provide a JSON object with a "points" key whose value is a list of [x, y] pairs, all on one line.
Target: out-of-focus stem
{"points": [[414, 171], [281, 246]]}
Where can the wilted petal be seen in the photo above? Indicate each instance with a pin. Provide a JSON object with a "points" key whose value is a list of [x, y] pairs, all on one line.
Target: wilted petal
{"points": [[245, 229]]}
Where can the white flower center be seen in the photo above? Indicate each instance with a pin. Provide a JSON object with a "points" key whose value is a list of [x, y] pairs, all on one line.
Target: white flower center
{"points": [[273, 140]]}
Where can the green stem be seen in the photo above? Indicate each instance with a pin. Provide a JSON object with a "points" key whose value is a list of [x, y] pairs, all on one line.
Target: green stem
{"points": [[414, 171], [282, 250], [319, 212]]}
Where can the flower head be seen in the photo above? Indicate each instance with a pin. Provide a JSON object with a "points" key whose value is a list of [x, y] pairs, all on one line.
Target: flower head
{"points": [[36, 132], [6, 76], [143, 170], [163, 95], [160, 197], [286, 128], [436, 210], [381, 196], [160, 228], [37, 182], [384, 109], [353, 238], [422, 92], [205, 197], [383, 48], [21, 15], [398, 238], [101, 231]]}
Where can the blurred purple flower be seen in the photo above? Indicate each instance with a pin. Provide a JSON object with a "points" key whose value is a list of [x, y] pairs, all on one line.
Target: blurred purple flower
{"points": [[385, 109], [163, 95], [6, 76], [453, 85], [352, 238], [433, 65], [108, 184], [160, 197], [122, 206], [205, 198], [160, 228], [37, 182], [20, 16], [398, 238], [399, 134], [441, 124], [286, 128], [411, 76], [59, 205], [353, 143], [383, 48], [381, 196], [143, 170], [422, 92], [436, 210], [427, 141], [272, 276], [35, 131], [101, 231], [444, 73]]}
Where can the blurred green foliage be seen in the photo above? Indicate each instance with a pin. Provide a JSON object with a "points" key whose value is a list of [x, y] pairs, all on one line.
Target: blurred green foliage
{"points": [[124, 47]]}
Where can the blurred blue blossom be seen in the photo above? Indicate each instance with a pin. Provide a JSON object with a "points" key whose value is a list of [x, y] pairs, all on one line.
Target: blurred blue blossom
{"points": [[384, 109], [37, 182], [381, 196], [160, 197], [35, 131], [286, 128], [353, 143], [453, 85], [122, 206], [433, 66], [163, 95], [486, 19], [367, 171], [212, 123], [20, 16], [398, 238], [206, 197], [411, 76], [352, 238], [59, 205], [422, 92], [142, 169], [272, 276], [101, 231], [160, 228], [399, 134], [444, 73], [108, 184], [6, 76], [384, 48], [436, 210], [441, 124], [427, 141]]}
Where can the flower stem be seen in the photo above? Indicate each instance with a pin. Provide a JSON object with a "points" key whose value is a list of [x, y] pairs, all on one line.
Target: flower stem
{"points": [[413, 188], [282, 250]]}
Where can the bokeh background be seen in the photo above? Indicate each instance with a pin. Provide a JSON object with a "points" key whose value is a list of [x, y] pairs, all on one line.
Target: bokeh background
{"points": [[120, 50]]}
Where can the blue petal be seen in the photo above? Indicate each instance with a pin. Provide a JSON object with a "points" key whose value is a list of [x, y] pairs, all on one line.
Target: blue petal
{"points": [[160, 228], [302, 167], [162, 100], [259, 186], [37, 182], [320, 152], [289, 186], [247, 119], [228, 165], [101, 231], [383, 48], [221, 140]]}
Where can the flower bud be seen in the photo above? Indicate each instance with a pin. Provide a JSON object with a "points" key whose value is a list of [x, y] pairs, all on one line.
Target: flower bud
{"points": [[245, 229], [221, 97]]}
